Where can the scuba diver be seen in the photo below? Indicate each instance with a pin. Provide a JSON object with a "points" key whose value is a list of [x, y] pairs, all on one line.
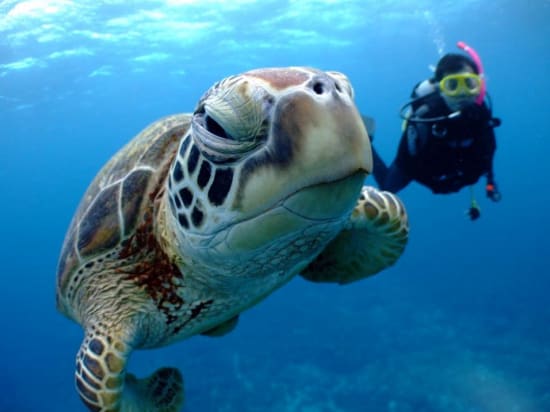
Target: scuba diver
{"points": [[448, 141]]}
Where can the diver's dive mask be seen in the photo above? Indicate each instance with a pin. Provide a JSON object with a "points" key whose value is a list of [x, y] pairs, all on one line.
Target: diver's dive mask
{"points": [[453, 85]]}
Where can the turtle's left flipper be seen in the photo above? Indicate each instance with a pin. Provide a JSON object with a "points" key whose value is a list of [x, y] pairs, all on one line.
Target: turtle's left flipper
{"points": [[162, 391], [375, 237], [105, 386]]}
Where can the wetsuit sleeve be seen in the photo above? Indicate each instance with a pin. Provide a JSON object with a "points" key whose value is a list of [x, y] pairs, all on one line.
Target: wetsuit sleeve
{"points": [[379, 168], [392, 178], [401, 171], [490, 149]]}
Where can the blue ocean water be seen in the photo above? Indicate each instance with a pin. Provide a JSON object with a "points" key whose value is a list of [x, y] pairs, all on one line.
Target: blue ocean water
{"points": [[460, 324]]}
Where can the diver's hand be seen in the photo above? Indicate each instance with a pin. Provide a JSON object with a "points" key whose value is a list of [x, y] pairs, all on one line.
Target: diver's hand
{"points": [[474, 212], [492, 192]]}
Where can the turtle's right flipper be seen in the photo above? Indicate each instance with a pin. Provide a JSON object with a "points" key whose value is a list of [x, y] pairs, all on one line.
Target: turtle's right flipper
{"points": [[223, 328], [104, 385], [375, 237]]}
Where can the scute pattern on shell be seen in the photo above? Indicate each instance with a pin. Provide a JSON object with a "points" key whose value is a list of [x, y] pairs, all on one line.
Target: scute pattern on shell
{"points": [[117, 193]]}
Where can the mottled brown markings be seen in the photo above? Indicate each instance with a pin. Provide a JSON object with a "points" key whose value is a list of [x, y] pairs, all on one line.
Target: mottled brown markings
{"points": [[100, 228], [148, 265], [153, 270], [195, 312], [198, 309], [133, 189], [152, 148]]}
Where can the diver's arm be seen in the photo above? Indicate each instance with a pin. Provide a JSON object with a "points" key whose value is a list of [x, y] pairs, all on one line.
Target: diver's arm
{"points": [[391, 179], [379, 168], [395, 177], [491, 188]]}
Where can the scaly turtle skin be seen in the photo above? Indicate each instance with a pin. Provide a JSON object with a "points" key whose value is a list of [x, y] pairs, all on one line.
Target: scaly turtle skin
{"points": [[203, 215]]}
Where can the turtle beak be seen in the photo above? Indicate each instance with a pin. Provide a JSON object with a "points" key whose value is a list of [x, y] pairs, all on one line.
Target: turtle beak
{"points": [[317, 137], [330, 140]]}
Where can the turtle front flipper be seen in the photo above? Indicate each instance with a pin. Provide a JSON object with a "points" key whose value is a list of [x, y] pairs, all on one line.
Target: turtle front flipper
{"points": [[374, 238], [104, 385], [223, 328]]}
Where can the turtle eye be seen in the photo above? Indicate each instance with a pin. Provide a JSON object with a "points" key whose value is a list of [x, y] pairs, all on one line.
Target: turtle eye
{"points": [[231, 119], [215, 128], [210, 124]]}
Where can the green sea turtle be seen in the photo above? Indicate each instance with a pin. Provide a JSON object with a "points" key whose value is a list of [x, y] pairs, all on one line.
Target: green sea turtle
{"points": [[203, 215]]}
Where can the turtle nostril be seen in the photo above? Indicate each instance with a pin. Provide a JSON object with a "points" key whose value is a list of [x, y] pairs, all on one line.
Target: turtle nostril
{"points": [[319, 87]]}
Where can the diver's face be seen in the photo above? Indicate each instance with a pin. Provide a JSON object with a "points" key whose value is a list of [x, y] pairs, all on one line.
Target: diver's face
{"points": [[460, 100]]}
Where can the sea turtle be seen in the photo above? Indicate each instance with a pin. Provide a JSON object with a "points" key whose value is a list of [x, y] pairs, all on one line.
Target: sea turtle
{"points": [[203, 215]]}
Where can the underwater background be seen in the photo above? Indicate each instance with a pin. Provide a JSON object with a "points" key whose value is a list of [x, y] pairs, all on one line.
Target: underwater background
{"points": [[460, 324]]}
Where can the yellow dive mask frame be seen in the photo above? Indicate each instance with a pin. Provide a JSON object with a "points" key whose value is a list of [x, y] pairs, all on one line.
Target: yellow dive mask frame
{"points": [[468, 84]]}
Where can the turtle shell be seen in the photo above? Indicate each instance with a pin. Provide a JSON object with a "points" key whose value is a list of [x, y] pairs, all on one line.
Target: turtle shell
{"points": [[121, 192]]}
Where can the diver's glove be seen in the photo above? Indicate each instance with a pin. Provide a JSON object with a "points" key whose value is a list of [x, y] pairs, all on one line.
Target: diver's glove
{"points": [[474, 212], [492, 192]]}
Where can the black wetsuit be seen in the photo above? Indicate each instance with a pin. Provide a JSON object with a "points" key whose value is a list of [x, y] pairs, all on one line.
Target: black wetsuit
{"points": [[444, 155]]}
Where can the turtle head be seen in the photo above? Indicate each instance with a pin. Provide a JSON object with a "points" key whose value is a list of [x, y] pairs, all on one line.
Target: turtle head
{"points": [[271, 155]]}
